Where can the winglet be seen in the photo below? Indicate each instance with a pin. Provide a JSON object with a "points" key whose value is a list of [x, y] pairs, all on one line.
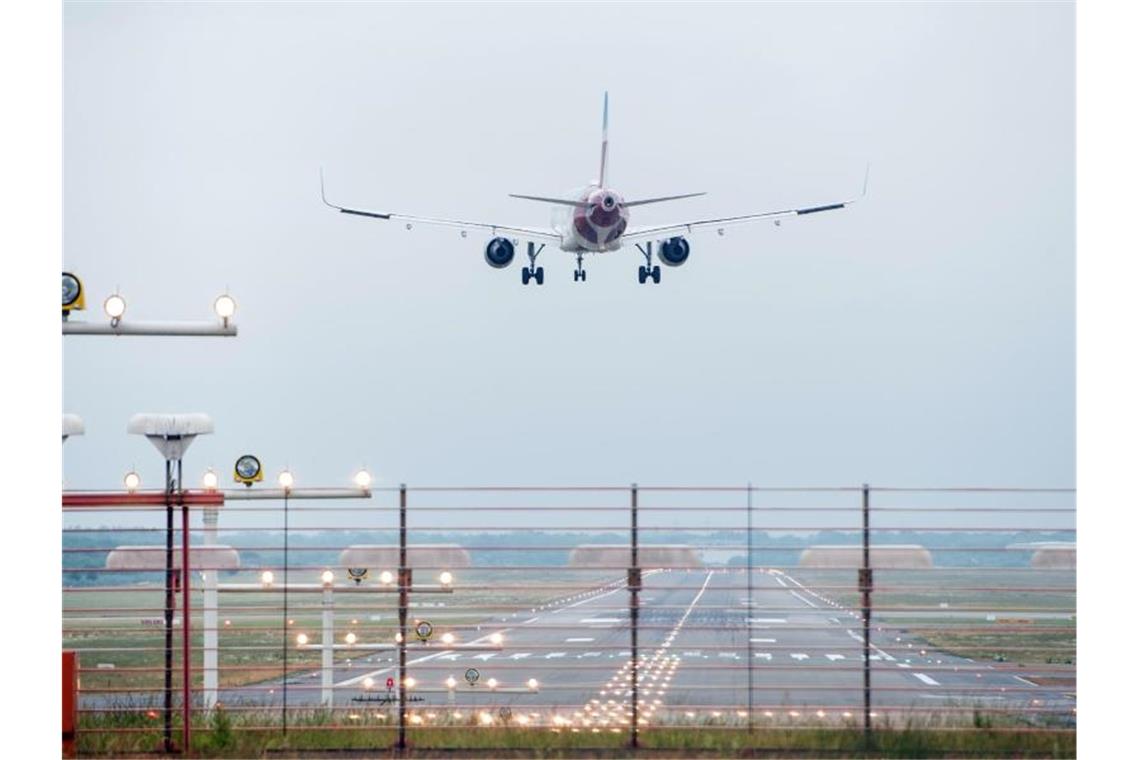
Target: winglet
{"points": [[323, 198]]}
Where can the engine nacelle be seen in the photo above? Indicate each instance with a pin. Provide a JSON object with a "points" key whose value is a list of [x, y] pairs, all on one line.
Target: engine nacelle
{"points": [[673, 252], [499, 252]]}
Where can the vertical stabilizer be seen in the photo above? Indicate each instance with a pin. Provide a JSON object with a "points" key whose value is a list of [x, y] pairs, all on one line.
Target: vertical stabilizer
{"points": [[605, 138]]}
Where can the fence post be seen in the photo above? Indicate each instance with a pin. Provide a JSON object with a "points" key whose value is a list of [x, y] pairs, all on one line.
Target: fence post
{"points": [[634, 583], [285, 620], [749, 613], [404, 580], [865, 583], [186, 684], [168, 619]]}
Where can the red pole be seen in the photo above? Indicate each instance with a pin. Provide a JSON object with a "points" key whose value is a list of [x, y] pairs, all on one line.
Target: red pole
{"points": [[70, 701], [141, 499]]}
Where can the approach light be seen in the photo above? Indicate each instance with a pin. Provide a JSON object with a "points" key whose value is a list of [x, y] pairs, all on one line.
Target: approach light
{"points": [[532, 684], [492, 683], [496, 638], [224, 307], [132, 481], [446, 578], [72, 294], [285, 480], [327, 577], [247, 469], [210, 480], [302, 639], [368, 682], [448, 638], [114, 307], [267, 578], [409, 682], [350, 638], [386, 577], [450, 682], [363, 479]]}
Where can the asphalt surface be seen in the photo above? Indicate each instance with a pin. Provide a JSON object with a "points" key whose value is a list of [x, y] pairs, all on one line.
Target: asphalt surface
{"points": [[697, 633]]}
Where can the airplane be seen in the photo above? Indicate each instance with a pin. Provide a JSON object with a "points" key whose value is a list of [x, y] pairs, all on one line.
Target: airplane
{"points": [[594, 219]]}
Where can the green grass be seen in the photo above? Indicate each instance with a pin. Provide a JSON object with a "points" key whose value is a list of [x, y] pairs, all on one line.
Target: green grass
{"points": [[258, 735]]}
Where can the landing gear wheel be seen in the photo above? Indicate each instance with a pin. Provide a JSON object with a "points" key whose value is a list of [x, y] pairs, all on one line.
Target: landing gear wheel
{"points": [[526, 276], [656, 275], [538, 275], [641, 275], [583, 275], [576, 273]]}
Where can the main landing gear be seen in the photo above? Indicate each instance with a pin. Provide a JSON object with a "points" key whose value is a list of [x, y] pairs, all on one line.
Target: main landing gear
{"points": [[579, 273], [649, 271], [532, 272]]}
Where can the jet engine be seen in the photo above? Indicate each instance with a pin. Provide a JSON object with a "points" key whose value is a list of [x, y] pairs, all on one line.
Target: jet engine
{"points": [[499, 252], [674, 252]]}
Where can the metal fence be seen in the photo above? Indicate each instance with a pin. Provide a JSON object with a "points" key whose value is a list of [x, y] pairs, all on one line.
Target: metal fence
{"points": [[608, 616]]}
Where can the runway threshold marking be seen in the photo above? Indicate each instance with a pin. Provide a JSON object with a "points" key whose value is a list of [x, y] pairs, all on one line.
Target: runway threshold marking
{"points": [[834, 657], [600, 620], [578, 639], [763, 641], [925, 679]]}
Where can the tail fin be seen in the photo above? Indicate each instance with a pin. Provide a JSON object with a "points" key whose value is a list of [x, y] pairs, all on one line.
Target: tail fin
{"points": [[605, 138]]}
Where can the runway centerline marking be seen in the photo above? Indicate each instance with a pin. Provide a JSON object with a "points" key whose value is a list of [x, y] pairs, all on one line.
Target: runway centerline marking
{"points": [[574, 639], [925, 679]]}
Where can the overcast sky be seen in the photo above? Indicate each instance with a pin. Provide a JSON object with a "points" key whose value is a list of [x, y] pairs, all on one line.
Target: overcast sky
{"points": [[925, 336]]}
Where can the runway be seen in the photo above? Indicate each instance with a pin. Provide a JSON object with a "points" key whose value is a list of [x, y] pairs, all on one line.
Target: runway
{"points": [[696, 634]]}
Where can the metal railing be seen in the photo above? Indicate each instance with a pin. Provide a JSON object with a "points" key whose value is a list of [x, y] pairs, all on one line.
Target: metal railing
{"points": [[646, 612]]}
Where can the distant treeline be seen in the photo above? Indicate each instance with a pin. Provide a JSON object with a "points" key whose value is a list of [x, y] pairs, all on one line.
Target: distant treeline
{"points": [[85, 554]]}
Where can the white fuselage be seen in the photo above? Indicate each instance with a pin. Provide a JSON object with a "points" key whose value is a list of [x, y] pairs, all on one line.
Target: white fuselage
{"points": [[596, 225]]}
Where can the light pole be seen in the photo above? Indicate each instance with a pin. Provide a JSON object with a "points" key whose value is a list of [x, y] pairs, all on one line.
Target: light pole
{"points": [[210, 601], [172, 434], [285, 480]]}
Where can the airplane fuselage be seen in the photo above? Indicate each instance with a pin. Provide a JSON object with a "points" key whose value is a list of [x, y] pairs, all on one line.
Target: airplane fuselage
{"points": [[596, 225]]}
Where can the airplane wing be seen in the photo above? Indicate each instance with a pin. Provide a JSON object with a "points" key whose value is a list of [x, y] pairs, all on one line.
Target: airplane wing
{"points": [[533, 233], [661, 232]]}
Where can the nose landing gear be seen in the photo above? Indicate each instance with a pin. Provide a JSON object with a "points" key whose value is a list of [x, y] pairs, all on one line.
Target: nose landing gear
{"points": [[532, 272], [649, 271], [579, 273]]}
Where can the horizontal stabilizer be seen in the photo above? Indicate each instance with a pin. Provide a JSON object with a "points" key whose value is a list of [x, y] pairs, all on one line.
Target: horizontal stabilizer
{"points": [[559, 201], [661, 199]]}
